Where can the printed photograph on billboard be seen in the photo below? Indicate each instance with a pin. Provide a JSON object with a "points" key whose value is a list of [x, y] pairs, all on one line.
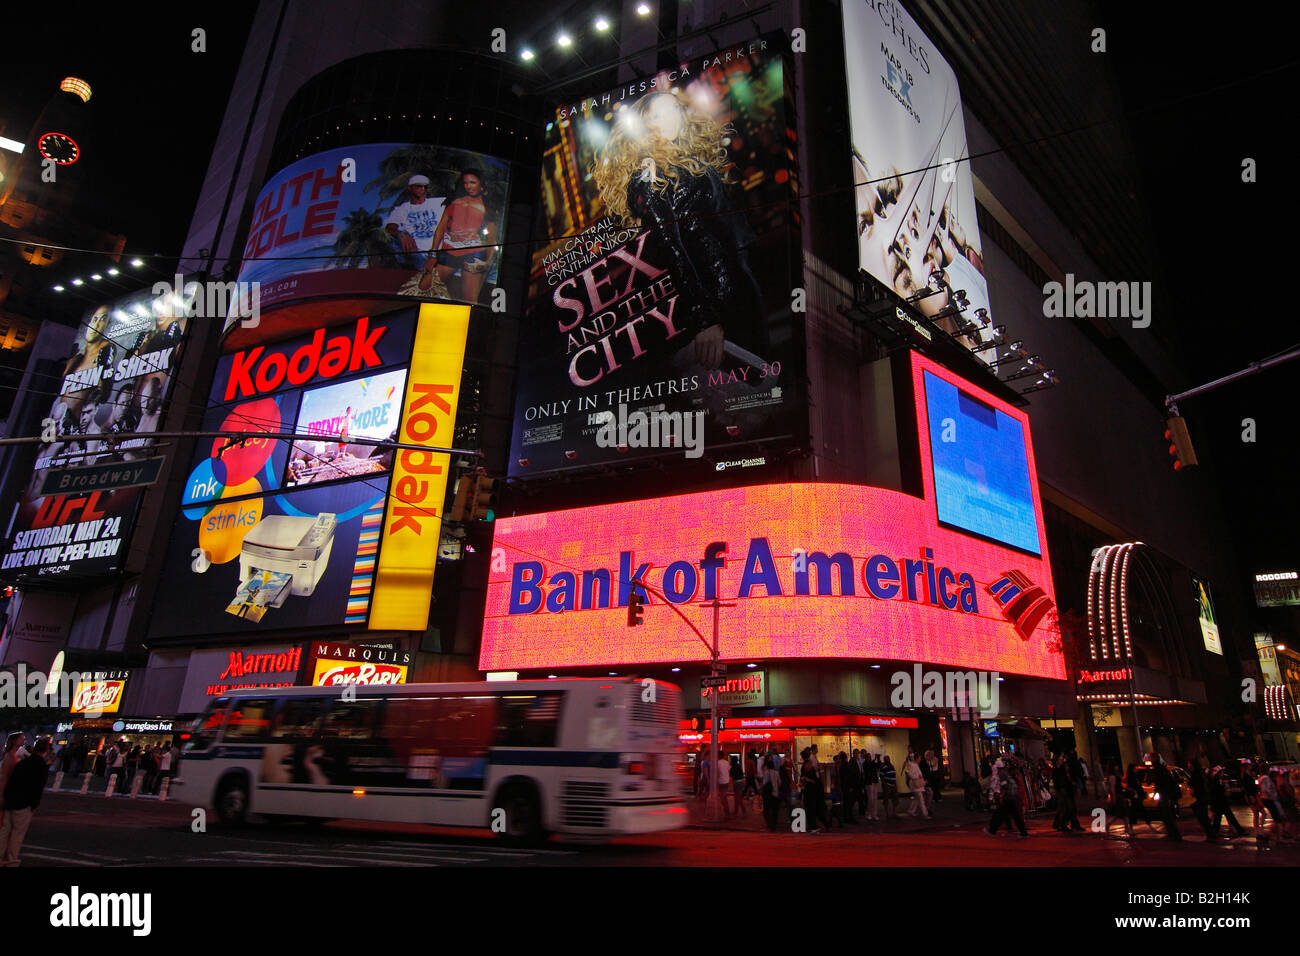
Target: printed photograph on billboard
{"points": [[116, 382], [662, 279], [301, 558], [379, 219], [362, 408], [914, 193]]}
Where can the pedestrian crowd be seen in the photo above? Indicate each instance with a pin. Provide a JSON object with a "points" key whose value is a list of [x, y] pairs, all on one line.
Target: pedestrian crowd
{"points": [[835, 792]]}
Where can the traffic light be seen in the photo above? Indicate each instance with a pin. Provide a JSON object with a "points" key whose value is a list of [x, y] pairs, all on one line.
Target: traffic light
{"points": [[460, 507], [1180, 443], [483, 499], [635, 608]]}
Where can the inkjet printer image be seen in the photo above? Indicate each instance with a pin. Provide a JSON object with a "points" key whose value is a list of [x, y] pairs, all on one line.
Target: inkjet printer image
{"points": [[299, 546]]}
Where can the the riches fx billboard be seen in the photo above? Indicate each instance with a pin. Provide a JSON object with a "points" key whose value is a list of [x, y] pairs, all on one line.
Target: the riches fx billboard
{"points": [[277, 533], [662, 279], [379, 219], [915, 194], [117, 381]]}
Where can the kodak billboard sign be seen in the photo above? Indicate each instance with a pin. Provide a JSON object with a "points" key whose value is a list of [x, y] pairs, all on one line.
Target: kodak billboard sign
{"points": [[408, 549]]}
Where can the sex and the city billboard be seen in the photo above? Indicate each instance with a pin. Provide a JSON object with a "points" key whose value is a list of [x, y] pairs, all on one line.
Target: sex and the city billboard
{"points": [[378, 219], [661, 276], [116, 382], [328, 528]]}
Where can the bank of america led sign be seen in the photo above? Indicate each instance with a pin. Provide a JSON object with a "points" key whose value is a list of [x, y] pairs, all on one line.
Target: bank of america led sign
{"points": [[816, 570]]}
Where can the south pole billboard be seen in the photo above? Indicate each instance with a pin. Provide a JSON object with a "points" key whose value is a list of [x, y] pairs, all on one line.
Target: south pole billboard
{"points": [[914, 192], [378, 219], [662, 280], [117, 381]]}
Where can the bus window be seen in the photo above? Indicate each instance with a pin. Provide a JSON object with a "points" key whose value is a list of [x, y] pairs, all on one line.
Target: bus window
{"points": [[299, 717], [464, 730], [352, 718], [250, 719], [528, 720], [205, 729]]}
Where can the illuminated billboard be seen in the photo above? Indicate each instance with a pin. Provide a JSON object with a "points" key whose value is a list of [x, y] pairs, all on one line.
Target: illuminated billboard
{"points": [[277, 532], [303, 558], [117, 381], [914, 189], [664, 283], [1205, 617], [362, 408], [981, 467], [815, 571], [378, 219]]}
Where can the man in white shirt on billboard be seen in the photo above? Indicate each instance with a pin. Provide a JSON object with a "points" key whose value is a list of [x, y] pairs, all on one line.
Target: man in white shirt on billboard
{"points": [[413, 223]]}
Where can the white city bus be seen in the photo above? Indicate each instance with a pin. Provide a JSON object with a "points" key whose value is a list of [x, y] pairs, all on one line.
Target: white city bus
{"points": [[589, 758]]}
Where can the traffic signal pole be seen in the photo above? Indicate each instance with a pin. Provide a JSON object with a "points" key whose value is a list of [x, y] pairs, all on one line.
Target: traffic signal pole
{"points": [[1254, 368]]}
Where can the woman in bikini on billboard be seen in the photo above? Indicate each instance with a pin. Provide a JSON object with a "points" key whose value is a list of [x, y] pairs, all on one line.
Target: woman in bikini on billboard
{"points": [[464, 238]]}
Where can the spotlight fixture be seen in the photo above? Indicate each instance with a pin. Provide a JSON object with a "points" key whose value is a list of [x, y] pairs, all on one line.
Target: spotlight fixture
{"points": [[564, 40], [525, 463], [960, 296], [113, 272], [137, 263], [96, 276], [982, 315], [525, 54], [58, 288], [77, 282], [602, 24], [571, 455], [643, 9]]}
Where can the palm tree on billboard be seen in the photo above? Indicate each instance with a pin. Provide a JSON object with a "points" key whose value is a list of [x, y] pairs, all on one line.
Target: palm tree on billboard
{"points": [[363, 242]]}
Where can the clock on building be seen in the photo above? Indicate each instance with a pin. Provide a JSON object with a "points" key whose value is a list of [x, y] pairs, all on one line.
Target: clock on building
{"points": [[59, 147]]}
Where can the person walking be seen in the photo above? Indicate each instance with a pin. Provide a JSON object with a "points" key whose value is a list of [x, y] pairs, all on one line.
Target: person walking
{"points": [[814, 795], [889, 787], [933, 769], [851, 784], [751, 774], [916, 785], [22, 795], [722, 779], [1168, 791], [1006, 800], [737, 774], [1268, 799], [1219, 806], [871, 785], [770, 789], [164, 767], [1067, 812], [1200, 790]]}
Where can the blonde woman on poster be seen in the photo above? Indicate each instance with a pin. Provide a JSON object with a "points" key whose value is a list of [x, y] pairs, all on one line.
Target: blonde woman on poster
{"points": [[664, 168]]}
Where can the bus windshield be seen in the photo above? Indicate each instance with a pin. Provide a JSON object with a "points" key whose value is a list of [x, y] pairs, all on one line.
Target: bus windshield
{"points": [[205, 729]]}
